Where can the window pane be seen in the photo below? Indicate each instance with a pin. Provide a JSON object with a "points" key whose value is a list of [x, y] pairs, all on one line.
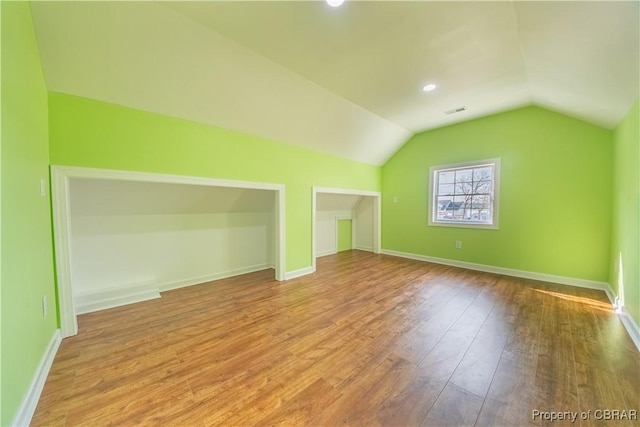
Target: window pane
{"points": [[481, 209], [444, 203], [459, 208], [465, 187], [482, 202], [482, 187], [464, 176], [445, 189], [445, 208], [482, 174], [446, 177]]}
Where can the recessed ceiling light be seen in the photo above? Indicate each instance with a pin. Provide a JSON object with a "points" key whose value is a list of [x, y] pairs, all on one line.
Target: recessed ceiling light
{"points": [[335, 3], [429, 87], [456, 110]]}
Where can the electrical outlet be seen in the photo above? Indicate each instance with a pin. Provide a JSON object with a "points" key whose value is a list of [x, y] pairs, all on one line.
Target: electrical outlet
{"points": [[45, 306], [458, 244], [395, 199], [43, 188]]}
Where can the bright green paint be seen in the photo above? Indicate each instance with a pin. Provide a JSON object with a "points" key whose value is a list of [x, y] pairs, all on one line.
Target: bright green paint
{"points": [[1, 134], [344, 235], [555, 196], [27, 267], [625, 236], [99, 135]]}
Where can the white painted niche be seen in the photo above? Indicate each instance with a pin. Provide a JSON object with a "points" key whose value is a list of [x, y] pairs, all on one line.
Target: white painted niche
{"points": [[129, 239], [333, 205]]}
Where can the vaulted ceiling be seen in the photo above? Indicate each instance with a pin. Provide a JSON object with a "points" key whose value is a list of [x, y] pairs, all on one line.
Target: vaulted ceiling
{"points": [[345, 81]]}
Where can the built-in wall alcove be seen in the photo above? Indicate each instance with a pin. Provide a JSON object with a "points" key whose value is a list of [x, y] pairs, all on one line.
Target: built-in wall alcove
{"points": [[345, 219], [123, 237]]}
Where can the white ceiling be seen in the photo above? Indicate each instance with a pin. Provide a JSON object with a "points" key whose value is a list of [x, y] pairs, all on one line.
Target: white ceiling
{"points": [[98, 197], [336, 202], [345, 81]]}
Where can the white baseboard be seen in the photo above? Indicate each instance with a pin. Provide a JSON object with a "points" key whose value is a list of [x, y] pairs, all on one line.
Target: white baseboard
{"points": [[631, 326], [364, 248], [629, 323], [326, 253], [30, 401], [298, 273], [115, 296], [211, 277], [563, 280]]}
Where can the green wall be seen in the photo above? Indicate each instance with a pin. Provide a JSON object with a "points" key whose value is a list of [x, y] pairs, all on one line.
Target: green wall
{"points": [[344, 235], [27, 266], [555, 195], [95, 134], [625, 230]]}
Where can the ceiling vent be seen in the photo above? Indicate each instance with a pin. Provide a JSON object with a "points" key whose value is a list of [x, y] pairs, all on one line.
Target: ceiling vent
{"points": [[455, 110]]}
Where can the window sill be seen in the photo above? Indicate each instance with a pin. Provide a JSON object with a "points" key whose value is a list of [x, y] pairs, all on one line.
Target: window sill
{"points": [[452, 224]]}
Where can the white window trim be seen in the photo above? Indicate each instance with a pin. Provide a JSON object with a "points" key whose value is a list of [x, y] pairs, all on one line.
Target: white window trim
{"points": [[467, 224]]}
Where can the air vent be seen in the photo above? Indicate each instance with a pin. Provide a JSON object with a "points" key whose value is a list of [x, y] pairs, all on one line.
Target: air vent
{"points": [[456, 110]]}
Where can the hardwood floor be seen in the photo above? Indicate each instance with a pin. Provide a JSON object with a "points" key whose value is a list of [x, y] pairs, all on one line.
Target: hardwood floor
{"points": [[367, 340]]}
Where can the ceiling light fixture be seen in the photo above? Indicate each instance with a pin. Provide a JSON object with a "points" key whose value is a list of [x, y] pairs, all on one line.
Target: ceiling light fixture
{"points": [[456, 110], [429, 87], [335, 3]]}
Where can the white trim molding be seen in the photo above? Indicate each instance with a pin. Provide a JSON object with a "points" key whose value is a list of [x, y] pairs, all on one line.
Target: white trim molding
{"points": [[61, 204], [325, 253], [563, 280], [629, 323], [211, 277], [299, 273], [30, 401], [627, 320], [115, 296]]}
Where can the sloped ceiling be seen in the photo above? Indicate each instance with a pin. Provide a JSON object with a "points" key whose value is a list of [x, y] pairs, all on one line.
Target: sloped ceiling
{"points": [[336, 202], [345, 81], [97, 197]]}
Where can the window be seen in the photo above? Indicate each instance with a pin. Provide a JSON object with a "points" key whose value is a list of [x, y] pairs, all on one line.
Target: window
{"points": [[465, 195]]}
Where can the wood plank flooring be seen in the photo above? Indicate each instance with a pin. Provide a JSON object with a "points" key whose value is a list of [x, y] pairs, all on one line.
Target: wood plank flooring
{"points": [[367, 340]]}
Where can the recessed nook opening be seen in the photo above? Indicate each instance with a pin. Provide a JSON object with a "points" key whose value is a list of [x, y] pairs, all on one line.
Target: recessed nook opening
{"points": [[123, 237], [345, 219]]}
